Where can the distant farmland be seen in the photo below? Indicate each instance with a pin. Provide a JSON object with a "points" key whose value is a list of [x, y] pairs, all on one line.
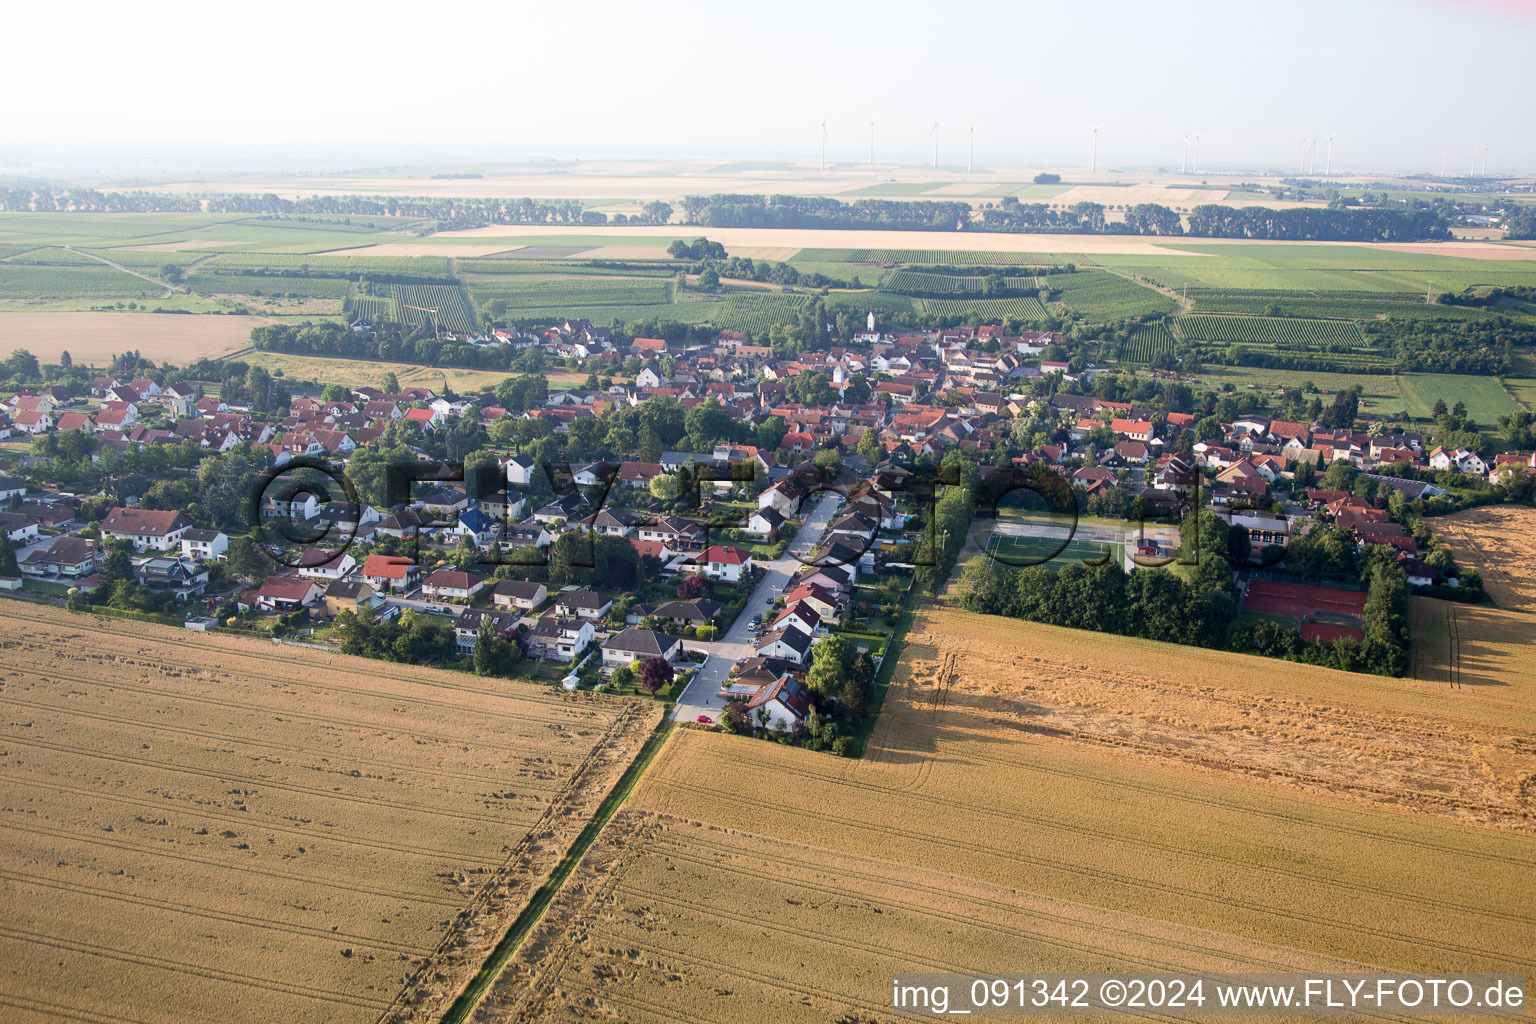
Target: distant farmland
{"points": [[1040, 796], [208, 829]]}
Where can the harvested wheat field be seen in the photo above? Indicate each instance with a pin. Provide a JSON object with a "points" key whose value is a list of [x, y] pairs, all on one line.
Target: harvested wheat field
{"points": [[206, 828], [1500, 542], [92, 339], [1045, 799]]}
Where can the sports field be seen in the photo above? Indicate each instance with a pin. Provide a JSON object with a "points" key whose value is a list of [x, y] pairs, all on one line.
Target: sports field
{"points": [[204, 828], [1052, 799]]}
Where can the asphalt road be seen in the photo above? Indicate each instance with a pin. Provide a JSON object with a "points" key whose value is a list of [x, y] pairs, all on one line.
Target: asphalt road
{"points": [[702, 695]]}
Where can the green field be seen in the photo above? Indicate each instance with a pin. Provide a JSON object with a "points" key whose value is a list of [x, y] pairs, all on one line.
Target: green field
{"points": [[527, 292], [1269, 331], [454, 312], [267, 284], [1018, 552], [757, 312], [940, 257], [1146, 341], [1025, 308], [1486, 399], [70, 287], [1098, 295], [916, 282]]}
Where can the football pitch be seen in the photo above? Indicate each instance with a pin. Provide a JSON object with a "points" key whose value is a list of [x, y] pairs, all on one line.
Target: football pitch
{"points": [[1019, 551]]}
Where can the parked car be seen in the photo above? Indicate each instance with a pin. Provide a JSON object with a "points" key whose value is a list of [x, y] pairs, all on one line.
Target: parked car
{"points": [[705, 720]]}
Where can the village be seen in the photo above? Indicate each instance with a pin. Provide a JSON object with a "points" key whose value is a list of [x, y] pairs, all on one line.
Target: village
{"points": [[756, 571]]}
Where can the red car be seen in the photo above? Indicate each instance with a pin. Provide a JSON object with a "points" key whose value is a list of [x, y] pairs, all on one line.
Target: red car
{"points": [[704, 720]]}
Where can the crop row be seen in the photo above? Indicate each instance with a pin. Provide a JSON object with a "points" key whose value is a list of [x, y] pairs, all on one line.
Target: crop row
{"points": [[520, 293], [919, 283], [1023, 308], [1285, 332], [1146, 341], [757, 314], [454, 312]]}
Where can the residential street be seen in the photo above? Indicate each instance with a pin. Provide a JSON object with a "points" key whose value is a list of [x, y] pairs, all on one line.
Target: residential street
{"points": [[702, 695]]}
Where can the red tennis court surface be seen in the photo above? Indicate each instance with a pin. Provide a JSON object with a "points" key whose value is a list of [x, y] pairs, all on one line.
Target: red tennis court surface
{"points": [[1302, 600], [1327, 634]]}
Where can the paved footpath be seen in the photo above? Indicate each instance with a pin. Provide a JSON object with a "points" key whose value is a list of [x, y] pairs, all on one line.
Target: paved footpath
{"points": [[702, 697]]}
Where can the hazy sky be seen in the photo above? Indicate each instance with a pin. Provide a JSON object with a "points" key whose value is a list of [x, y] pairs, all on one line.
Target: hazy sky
{"points": [[406, 82]]}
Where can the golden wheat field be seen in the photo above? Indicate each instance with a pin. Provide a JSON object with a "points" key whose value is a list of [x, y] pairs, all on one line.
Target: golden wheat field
{"points": [[1500, 542], [94, 338], [1039, 799], [205, 828]]}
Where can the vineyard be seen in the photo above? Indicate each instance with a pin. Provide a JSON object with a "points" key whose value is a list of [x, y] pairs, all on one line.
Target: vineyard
{"points": [[988, 310], [1099, 296], [372, 308], [757, 313], [520, 293], [915, 282], [263, 284], [53, 255], [1146, 341], [427, 268], [1276, 332], [454, 312], [28, 285]]}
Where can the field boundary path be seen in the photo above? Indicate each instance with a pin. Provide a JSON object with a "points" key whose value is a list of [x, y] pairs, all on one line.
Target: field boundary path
{"points": [[169, 289], [464, 1006]]}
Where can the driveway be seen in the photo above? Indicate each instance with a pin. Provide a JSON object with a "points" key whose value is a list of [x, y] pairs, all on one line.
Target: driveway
{"points": [[702, 695]]}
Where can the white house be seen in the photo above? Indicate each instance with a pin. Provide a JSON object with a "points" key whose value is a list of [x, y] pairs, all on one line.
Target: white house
{"points": [[319, 564], [204, 545], [635, 644], [553, 638], [724, 563], [452, 585], [146, 529]]}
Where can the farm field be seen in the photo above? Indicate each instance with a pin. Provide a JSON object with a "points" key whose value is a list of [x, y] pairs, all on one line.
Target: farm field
{"points": [[1383, 392], [1486, 399], [1268, 331], [94, 338], [986, 310], [1500, 543], [368, 372], [1099, 295], [1052, 800], [210, 829]]}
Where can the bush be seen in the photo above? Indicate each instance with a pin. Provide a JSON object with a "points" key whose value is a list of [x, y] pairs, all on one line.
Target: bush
{"points": [[845, 746]]}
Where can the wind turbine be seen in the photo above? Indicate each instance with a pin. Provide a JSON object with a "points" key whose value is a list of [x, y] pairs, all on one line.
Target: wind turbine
{"points": [[1328, 167], [823, 145], [1485, 161], [1093, 165], [934, 131], [970, 153], [1473, 172], [1445, 154], [1302, 169], [871, 143], [1184, 167], [1197, 136]]}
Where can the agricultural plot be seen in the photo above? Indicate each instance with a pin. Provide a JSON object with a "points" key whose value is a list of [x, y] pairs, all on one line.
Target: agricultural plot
{"points": [[23, 287], [1271, 332], [93, 339], [350, 267], [1499, 542], [201, 829], [1100, 295], [1043, 796], [987, 310], [520, 292], [216, 282], [372, 308], [916, 282], [926, 256], [418, 304], [757, 312], [1145, 342], [356, 373], [53, 255], [1486, 399]]}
